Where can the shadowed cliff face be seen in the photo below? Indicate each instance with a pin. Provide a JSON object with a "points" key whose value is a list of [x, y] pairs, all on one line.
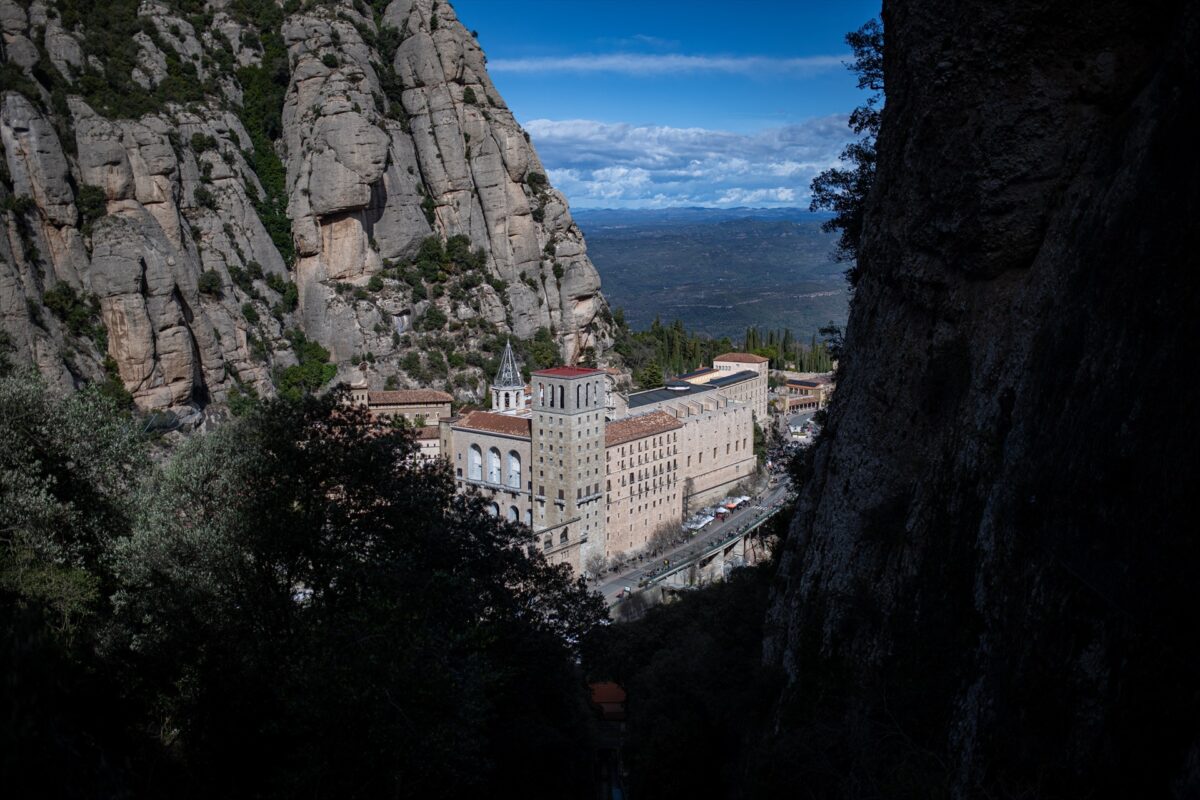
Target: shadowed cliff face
{"points": [[991, 582]]}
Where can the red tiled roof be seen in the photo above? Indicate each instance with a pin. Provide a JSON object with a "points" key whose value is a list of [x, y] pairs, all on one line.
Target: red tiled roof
{"points": [[567, 372], [402, 397], [630, 428], [428, 432], [609, 698], [495, 423], [741, 358]]}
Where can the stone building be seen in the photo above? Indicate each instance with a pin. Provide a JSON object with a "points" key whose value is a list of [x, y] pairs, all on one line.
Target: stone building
{"points": [[418, 406], [716, 443], [422, 408], [568, 421], [642, 484], [594, 476], [743, 377]]}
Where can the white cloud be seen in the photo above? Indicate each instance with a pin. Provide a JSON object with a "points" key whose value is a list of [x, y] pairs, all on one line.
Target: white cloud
{"points": [[648, 64], [742, 197], [615, 164]]}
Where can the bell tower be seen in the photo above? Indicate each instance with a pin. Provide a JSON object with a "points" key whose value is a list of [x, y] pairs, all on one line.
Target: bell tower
{"points": [[508, 388]]}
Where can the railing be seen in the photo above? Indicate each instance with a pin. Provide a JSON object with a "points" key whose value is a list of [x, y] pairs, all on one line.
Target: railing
{"points": [[659, 574]]}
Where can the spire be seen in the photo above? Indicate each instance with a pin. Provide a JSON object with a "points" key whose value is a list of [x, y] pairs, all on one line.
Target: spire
{"points": [[509, 375]]}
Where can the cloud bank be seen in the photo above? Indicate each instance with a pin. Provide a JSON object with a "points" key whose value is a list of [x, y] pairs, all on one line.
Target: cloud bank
{"points": [[650, 64], [616, 165]]}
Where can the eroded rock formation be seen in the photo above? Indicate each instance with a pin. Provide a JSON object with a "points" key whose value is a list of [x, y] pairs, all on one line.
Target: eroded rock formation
{"points": [[389, 132]]}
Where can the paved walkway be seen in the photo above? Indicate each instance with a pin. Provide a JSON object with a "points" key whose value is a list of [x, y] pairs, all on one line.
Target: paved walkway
{"points": [[611, 585]]}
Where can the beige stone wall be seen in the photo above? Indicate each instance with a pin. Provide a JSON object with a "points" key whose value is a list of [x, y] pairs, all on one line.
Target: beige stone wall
{"points": [[716, 445], [751, 392], [457, 447], [429, 412], [643, 491], [568, 476]]}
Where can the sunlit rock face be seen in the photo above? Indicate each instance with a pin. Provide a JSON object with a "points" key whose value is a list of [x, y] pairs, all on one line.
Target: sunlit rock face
{"points": [[989, 585], [390, 132]]}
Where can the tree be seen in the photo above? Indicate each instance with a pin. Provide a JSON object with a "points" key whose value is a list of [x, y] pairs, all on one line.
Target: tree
{"points": [[209, 282], [844, 190], [351, 621]]}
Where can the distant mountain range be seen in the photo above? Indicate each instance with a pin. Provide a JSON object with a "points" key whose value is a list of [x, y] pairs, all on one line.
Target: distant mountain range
{"points": [[719, 270]]}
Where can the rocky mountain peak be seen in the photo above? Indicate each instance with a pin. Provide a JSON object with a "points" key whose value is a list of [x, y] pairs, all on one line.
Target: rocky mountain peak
{"points": [[216, 187]]}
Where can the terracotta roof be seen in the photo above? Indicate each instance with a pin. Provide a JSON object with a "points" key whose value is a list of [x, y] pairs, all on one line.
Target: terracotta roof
{"points": [[428, 432], [407, 396], [609, 699], [495, 423], [630, 428], [741, 358], [567, 372]]}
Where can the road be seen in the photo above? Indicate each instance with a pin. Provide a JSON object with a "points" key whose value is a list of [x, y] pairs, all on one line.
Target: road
{"points": [[611, 586]]}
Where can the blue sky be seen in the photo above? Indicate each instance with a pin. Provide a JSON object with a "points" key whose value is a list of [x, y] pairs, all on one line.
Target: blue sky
{"points": [[666, 103]]}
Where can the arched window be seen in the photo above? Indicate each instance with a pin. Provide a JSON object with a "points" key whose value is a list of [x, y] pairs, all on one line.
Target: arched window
{"points": [[541, 394], [475, 463], [493, 465], [578, 395], [587, 393], [493, 509], [562, 537], [506, 400], [562, 397], [514, 469], [546, 545], [513, 514]]}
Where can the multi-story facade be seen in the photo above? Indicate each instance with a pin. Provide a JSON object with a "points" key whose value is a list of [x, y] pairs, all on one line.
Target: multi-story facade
{"points": [[642, 484], [568, 462], [744, 377], [594, 479], [492, 453], [716, 442]]}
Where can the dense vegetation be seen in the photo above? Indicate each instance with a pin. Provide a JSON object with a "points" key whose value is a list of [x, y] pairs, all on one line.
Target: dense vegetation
{"points": [[662, 351], [698, 693], [290, 605], [844, 190]]}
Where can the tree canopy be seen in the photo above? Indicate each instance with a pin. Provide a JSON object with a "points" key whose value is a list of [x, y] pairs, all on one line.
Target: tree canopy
{"points": [[292, 604], [844, 190]]}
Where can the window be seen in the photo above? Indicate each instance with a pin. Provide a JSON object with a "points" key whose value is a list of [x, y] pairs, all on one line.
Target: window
{"points": [[514, 468], [513, 514], [475, 463], [562, 537], [493, 474], [494, 510], [562, 397]]}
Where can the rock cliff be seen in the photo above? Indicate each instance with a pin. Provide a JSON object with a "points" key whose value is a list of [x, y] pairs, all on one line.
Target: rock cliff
{"points": [[187, 184], [989, 588]]}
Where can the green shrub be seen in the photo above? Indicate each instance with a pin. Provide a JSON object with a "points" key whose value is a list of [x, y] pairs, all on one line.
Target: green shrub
{"points": [[209, 282], [202, 142], [93, 204], [205, 199], [311, 373], [536, 181], [113, 387], [433, 320], [329, 60], [469, 96], [375, 284], [250, 313]]}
